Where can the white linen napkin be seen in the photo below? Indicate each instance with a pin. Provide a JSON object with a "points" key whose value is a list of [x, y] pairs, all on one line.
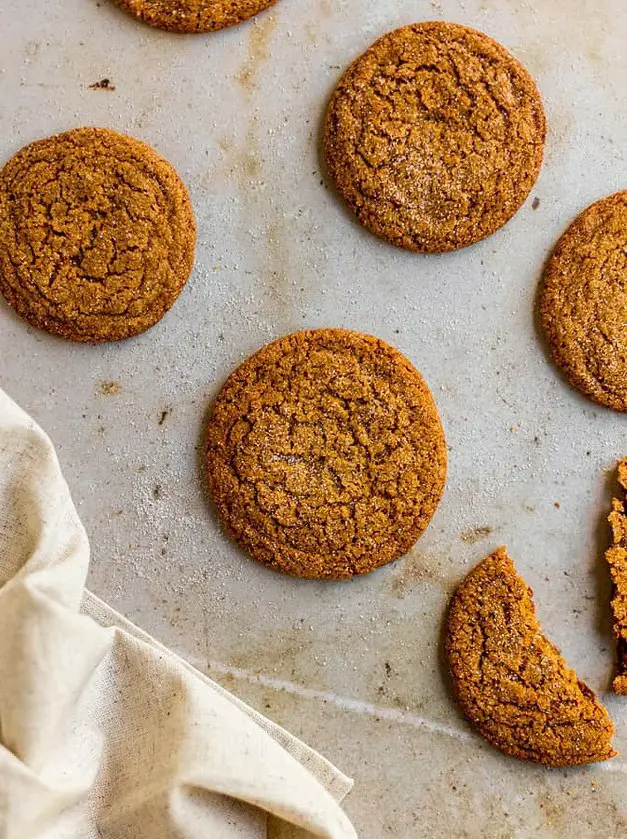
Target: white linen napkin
{"points": [[106, 734]]}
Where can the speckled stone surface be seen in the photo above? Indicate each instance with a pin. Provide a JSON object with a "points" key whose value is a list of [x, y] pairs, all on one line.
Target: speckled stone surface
{"points": [[353, 667]]}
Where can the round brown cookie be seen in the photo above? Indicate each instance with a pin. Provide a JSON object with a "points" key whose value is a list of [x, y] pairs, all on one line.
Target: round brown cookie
{"points": [[511, 682], [435, 136], [583, 302], [97, 235], [325, 454], [194, 15]]}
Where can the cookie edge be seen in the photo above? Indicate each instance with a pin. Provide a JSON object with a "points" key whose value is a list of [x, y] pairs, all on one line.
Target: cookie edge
{"points": [[167, 24], [545, 310], [441, 475], [59, 328], [453, 617], [327, 135]]}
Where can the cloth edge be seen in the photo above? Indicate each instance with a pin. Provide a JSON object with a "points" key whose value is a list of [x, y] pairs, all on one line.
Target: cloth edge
{"points": [[337, 784]]}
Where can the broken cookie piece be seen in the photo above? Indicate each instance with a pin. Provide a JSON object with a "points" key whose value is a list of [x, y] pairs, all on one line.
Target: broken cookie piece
{"points": [[511, 682], [616, 557]]}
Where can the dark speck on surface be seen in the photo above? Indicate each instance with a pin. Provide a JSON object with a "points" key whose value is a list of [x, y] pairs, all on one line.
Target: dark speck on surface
{"points": [[103, 84]]}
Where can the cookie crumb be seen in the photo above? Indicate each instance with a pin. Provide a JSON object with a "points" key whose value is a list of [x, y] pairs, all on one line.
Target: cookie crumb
{"points": [[110, 388], [475, 534], [103, 84]]}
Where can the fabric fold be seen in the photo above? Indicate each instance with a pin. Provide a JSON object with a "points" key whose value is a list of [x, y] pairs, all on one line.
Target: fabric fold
{"points": [[104, 733]]}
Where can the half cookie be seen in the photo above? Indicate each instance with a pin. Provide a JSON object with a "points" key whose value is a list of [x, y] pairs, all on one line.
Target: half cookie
{"points": [[325, 454], [435, 136], [617, 560], [583, 302], [97, 235], [511, 682], [194, 15]]}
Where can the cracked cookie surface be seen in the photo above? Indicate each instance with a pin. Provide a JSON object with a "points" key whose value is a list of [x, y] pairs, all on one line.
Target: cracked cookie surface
{"points": [[194, 15], [97, 235], [583, 302], [616, 557], [325, 454], [435, 136], [511, 682]]}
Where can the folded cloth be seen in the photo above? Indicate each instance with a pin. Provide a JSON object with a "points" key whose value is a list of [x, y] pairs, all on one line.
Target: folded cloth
{"points": [[106, 734]]}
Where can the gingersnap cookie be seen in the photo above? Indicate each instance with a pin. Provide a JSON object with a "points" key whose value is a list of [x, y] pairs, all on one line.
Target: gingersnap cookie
{"points": [[511, 682], [194, 15], [435, 136], [616, 557], [97, 235], [325, 454], [583, 302]]}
